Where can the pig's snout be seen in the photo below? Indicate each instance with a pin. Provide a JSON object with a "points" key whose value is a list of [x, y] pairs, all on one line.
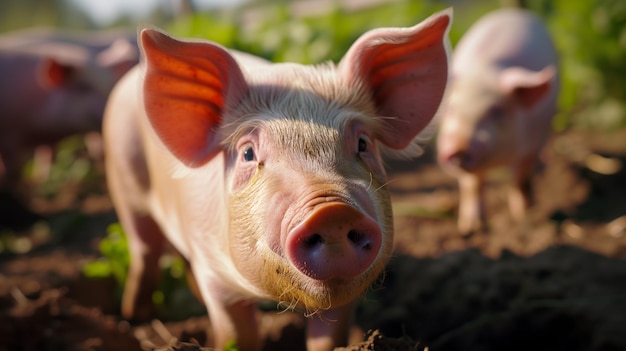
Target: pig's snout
{"points": [[336, 241], [462, 159]]}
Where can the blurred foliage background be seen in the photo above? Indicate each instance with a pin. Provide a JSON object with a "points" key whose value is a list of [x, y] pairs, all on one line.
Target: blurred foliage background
{"points": [[589, 34]]}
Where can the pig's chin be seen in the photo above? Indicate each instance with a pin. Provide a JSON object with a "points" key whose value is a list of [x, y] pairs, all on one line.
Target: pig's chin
{"points": [[291, 288]]}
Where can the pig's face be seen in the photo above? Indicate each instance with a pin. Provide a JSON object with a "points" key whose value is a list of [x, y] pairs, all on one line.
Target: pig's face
{"points": [[310, 216], [477, 130], [77, 90], [66, 100]]}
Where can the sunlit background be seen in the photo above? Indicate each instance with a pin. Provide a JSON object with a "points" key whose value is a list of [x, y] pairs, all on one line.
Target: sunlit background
{"points": [[590, 35], [66, 222], [105, 13]]}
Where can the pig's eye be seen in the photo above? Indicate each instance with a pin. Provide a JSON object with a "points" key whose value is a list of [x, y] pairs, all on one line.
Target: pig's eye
{"points": [[362, 144], [248, 155]]}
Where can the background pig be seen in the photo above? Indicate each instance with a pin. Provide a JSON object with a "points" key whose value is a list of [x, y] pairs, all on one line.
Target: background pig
{"points": [[54, 85], [267, 178], [499, 108]]}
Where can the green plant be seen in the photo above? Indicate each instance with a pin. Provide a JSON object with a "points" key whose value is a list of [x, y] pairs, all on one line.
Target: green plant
{"points": [[275, 33], [591, 38], [231, 346], [115, 258], [173, 299]]}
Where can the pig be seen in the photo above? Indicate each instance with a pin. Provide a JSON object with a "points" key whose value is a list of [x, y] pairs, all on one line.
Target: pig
{"points": [[115, 50], [53, 86], [498, 110], [267, 177]]}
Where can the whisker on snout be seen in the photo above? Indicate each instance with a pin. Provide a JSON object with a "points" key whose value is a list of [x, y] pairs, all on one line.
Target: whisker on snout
{"points": [[385, 184]]}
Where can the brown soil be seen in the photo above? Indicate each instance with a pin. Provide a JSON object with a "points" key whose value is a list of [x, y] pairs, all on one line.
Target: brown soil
{"points": [[555, 282]]}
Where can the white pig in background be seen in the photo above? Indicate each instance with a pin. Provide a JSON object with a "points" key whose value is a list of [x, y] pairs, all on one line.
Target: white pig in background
{"points": [[266, 177], [54, 85], [499, 109]]}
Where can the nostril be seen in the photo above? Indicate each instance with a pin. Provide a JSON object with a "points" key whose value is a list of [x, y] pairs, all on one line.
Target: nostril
{"points": [[313, 241], [354, 236], [459, 159], [456, 157], [359, 240]]}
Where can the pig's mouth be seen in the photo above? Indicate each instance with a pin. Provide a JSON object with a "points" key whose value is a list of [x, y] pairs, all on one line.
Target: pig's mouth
{"points": [[293, 289]]}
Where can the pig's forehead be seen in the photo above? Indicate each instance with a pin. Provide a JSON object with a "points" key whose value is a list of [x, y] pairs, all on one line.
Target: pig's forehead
{"points": [[277, 102], [314, 130], [309, 138], [305, 84], [302, 93], [300, 105], [293, 125], [298, 140], [474, 88]]}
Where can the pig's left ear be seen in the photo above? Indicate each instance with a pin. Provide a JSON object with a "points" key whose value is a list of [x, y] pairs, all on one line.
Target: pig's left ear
{"points": [[53, 74], [187, 88], [528, 87], [405, 70]]}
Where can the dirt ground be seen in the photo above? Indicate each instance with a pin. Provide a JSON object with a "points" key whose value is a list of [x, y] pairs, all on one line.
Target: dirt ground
{"points": [[555, 282]]}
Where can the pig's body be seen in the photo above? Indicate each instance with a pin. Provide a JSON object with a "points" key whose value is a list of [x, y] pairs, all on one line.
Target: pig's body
{"points": [[267, 177], [52, 87], [499, 108]]}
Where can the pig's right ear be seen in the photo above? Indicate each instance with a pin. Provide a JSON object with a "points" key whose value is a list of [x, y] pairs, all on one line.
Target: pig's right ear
{"points": [[187, 88], [405, 70], [119, 57], [527, 86]]}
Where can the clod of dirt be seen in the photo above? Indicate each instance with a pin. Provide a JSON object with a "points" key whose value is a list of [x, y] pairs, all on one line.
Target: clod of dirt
{"points": [[376, 341], [53, 322], [184, 346]]}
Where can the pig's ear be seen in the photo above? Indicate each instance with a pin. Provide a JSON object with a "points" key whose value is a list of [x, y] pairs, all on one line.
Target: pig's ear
{"points": [[405, 70], [53, 74], [120, 57], [187, 88], [527, 86]]}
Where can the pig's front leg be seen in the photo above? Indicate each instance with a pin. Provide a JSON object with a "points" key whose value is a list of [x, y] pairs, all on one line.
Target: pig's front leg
{"points": [[146, 244], [12, 160], [520, 193], [42, 163], [471, 204], [329, 329], [232, 322]]}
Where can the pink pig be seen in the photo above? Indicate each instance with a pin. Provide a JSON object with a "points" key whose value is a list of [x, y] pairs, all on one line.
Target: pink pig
{"points": [[53, 86], [266, 177], [499, 109]]}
